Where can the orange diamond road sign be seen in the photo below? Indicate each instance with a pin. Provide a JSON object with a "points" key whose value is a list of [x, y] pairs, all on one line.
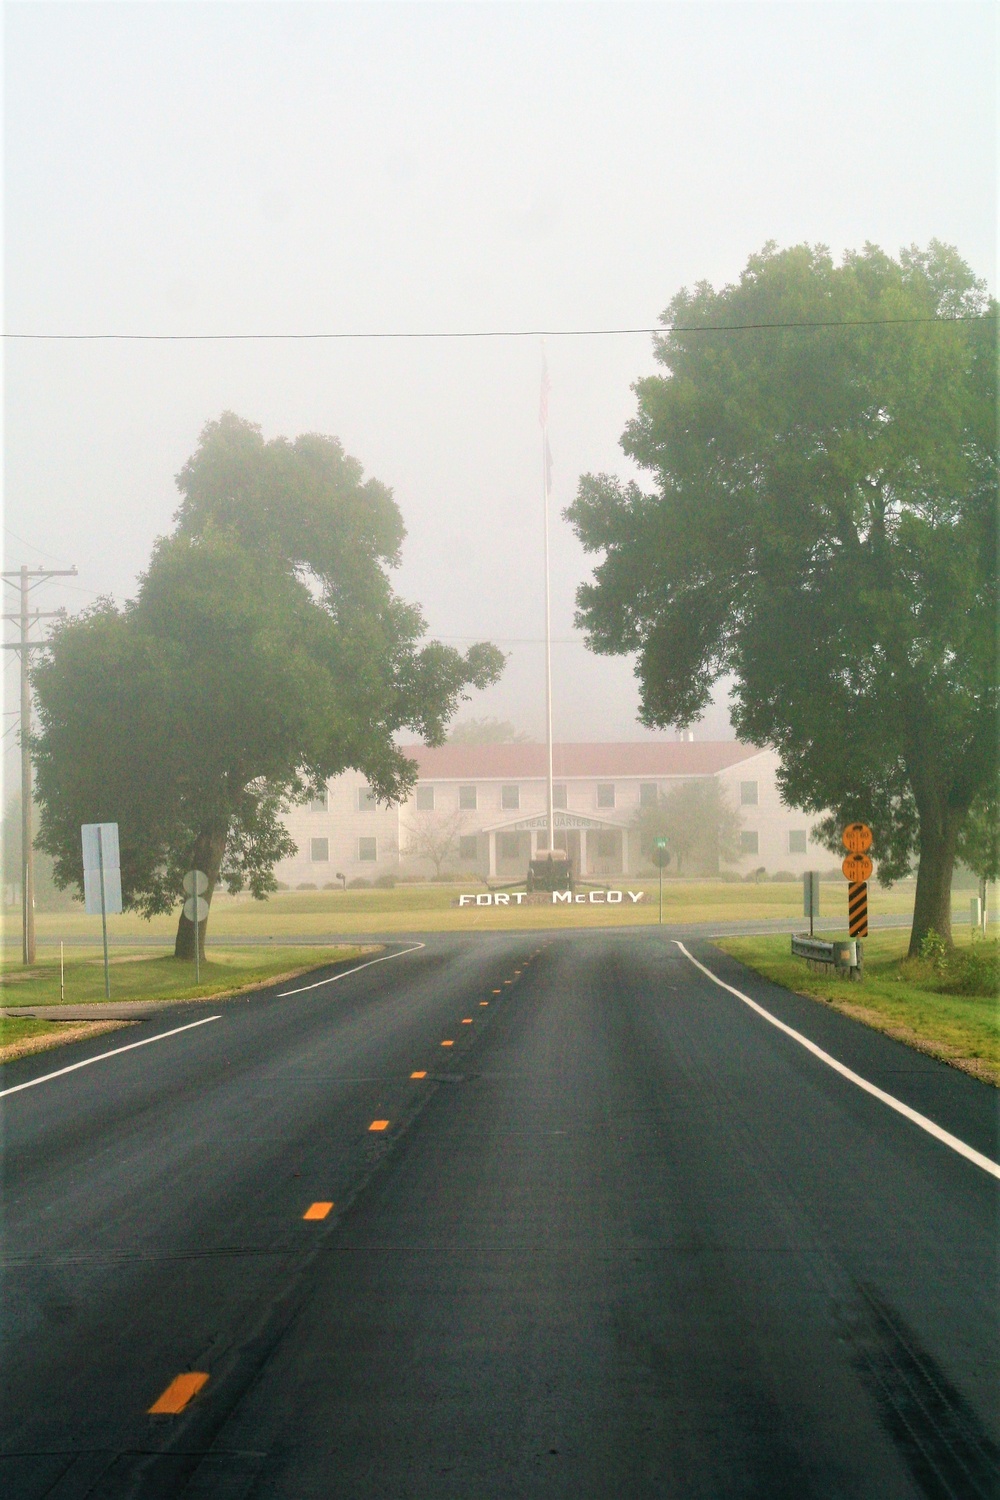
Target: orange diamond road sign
{"points": [[857, 867], [857, 839]]}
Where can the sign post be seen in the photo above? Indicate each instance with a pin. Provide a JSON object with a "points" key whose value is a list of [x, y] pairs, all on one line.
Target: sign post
{"points": [[102, 879], [661, 858], [810, 897], [196, 910], [857, 867]]}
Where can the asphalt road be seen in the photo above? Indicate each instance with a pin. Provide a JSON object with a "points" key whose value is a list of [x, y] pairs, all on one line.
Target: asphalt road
{"points": [[625, 1238]]}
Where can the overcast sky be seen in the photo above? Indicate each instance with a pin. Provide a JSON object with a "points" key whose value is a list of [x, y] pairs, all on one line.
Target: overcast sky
{"points": [[303, 168]]}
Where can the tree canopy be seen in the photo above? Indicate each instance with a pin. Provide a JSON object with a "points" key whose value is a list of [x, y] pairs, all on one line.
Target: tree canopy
{"points": [[822, 528], [265, 651], [486, 731], [699, 823]]}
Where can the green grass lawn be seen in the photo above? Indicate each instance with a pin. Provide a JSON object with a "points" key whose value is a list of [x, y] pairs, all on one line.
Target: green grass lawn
{"points": [[902, 998], [144, 976], [304, 915]]}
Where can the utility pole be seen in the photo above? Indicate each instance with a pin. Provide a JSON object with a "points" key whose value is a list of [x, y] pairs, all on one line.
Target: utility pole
{"points": [[28, 578]]}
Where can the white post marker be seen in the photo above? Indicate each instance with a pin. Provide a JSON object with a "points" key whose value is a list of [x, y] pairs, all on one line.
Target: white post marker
{"points": [[102, 879]]}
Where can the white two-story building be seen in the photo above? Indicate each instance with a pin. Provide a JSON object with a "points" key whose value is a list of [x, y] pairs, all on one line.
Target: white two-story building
{"points": [[481, 810]]}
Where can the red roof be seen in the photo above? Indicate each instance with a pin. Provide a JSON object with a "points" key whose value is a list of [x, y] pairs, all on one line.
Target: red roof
{"points": [[527, 762]]}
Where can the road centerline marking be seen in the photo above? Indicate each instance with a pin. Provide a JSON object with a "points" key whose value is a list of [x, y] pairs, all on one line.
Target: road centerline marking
{"points": [[448, 1043], [181, 1390], [161, 1036], [913, 1115], [379, 1125], [356, 970], [317, 1211]]}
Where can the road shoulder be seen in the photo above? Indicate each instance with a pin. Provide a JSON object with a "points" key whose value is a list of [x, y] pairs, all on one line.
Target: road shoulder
{"points": [[960, 1030], [964, 1105]]}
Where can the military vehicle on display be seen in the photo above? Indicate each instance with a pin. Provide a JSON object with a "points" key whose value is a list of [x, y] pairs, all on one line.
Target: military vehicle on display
{"points": [[550, 873]]}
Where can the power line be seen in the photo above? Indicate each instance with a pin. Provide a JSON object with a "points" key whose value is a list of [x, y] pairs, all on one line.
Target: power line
{"points": [[491, 333], [34, 547]]}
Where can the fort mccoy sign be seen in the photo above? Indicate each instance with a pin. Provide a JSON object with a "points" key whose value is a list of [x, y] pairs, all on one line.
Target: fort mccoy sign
{"points": [[552, 898]]}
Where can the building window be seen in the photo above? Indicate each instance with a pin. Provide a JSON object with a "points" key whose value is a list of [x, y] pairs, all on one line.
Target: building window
{"points": [[605, 845], [748, 794], [796, 841], [425, 799], [648, 796], [468, 847], [605, 794], [510, 796], [366, 799], [748, 841], [467, 799], [508, 845], [559, 796], [320, 803], [367, 850], [319, 851]]}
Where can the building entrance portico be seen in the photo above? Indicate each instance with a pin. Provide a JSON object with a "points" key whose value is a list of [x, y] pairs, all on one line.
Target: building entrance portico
{"points": [[594, 845]]}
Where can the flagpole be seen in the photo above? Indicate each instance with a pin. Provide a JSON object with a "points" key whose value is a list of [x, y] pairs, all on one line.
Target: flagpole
{"points": [[544, 418]]}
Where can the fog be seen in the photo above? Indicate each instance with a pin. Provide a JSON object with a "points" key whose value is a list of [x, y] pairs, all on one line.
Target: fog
{"points": [[197, 169]]}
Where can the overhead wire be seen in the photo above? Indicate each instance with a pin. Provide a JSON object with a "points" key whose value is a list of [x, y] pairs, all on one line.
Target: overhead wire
{"points": [[662, 330]]}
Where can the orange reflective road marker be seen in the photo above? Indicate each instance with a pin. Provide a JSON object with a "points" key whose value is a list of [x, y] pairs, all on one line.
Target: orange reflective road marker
{"points": [[181, 1390], [379, 1125], [447, 1044], [317, 1210], [419, 1075], [466, 1020]]}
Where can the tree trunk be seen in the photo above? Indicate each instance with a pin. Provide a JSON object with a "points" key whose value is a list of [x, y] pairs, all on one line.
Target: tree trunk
{"points": [[932, 904], [209, 847]]}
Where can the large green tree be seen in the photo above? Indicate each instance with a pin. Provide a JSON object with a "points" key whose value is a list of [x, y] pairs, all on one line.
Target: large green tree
{"points": [[821, 528], [265, 651], [698, 821]]}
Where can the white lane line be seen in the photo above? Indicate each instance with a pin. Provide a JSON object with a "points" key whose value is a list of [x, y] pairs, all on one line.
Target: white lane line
{"points": [[358, 967], [160, 1037], [913, 1115]]}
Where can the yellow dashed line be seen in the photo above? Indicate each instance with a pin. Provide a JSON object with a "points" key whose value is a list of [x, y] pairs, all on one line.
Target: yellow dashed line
{"points": [[379, 1125], [448, 1044], [466, 1020], [181, 1390], [484, 1002], [317, 1210], [419, 1075]]}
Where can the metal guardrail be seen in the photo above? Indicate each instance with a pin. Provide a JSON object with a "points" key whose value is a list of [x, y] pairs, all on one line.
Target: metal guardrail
{"points": [[840, 954]]}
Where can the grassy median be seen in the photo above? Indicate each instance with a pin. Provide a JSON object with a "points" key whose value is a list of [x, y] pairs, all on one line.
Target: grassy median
{"points": [[137, 976], [311, 916], [907, 999]]}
